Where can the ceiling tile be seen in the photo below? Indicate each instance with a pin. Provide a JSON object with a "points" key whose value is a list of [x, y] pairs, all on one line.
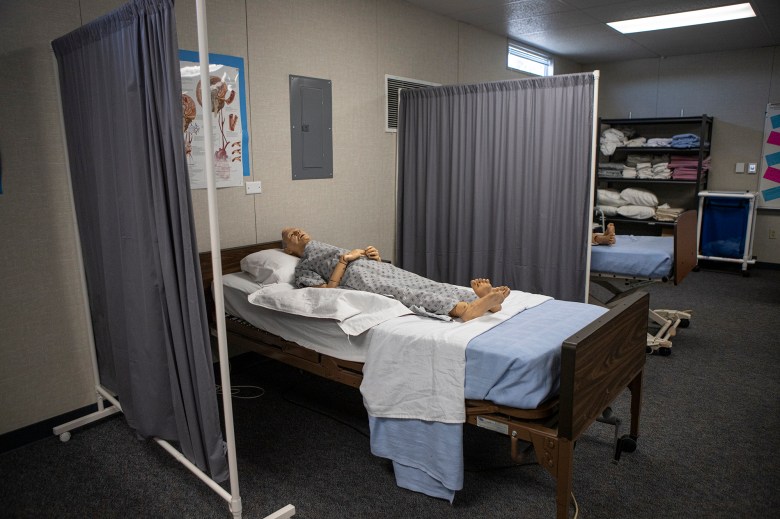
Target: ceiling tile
{"points": [[511, 11], [587, 44], [548, 22]]}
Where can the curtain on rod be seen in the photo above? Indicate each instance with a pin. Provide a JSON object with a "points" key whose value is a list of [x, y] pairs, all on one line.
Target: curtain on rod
{"points": [[121, 96], [493, 181]]}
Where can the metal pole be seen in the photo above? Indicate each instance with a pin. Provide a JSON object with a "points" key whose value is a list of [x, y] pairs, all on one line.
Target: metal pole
{"points": [[216, 258]]}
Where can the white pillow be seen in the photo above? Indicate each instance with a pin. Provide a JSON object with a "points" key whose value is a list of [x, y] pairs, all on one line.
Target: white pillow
{"points": [[355, 311], [610, 197], [270, 266], [608, 210], [636, 196], [641, 212]]}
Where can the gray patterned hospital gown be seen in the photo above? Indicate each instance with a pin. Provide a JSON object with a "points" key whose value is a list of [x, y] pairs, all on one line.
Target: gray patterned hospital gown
{"points": [[423, 296]]}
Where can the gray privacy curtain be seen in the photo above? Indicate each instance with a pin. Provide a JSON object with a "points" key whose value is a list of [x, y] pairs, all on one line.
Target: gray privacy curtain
{"points": [[121, 96], [494, 181]]}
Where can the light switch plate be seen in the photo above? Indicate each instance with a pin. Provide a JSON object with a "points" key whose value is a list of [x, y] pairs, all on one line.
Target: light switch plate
{"points": [[739, 168], [752, 168], [253, 188]]}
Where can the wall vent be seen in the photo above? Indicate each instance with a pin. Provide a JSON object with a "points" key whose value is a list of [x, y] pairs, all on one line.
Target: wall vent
{"points": [[392, 85]]}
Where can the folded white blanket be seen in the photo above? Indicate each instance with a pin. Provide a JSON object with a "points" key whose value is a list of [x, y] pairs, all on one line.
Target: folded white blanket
{"points": [[416, 366]]}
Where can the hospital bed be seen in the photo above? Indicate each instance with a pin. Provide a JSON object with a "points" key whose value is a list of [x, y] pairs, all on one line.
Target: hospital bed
{"points": [[596, 358], [633, 262]]}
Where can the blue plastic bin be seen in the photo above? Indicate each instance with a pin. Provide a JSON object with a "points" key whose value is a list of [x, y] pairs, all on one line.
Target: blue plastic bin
{"points": [[724, 227]]}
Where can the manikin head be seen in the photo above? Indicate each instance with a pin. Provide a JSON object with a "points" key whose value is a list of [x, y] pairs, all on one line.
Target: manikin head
{"points": [[294, 240]]}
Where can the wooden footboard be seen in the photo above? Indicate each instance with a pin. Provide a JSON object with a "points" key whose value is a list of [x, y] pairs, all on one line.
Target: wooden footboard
{"points": [[597, 364], [685, 245]]}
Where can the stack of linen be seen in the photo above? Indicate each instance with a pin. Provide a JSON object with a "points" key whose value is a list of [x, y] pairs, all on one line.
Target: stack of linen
{"points": [[686, 168], [685, 140], [610, 140], [659, 171], [664, 213], [611, 169], [658, 142]]}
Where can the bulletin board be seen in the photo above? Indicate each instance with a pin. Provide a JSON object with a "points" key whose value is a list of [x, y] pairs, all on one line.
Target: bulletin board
{"points": [[769, 178]]}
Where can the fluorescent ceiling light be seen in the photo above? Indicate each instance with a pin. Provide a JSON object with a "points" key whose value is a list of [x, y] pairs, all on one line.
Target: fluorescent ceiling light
{"points": [[669, 21]]}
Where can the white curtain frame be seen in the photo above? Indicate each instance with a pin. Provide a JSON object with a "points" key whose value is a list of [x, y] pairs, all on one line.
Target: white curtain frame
{"points": [[63, 431]]}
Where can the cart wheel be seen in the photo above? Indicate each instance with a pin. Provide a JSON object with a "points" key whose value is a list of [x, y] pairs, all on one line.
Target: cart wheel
{"points": [[664, 351], [627, 443], [684, 323], [649, 350], [65, 436]]}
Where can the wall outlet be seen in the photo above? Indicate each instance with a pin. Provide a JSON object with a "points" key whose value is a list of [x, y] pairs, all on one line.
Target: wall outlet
{"points": [[253, 188], [772, 234]]}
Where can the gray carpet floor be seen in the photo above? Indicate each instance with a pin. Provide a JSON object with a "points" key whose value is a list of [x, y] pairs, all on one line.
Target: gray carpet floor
{"points": [[709, 436]]}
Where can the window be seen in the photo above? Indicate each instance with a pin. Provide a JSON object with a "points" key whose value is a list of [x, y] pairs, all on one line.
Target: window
{"points": [[526, 59]]}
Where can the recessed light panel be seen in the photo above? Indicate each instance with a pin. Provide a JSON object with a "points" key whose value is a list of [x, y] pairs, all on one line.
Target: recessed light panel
{"points": [[669, 21]]}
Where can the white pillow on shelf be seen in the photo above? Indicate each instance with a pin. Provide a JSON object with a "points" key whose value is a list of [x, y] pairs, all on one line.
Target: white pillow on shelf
{"points": [[270, 266], [637, 196], [608, 210], [610, 197]]}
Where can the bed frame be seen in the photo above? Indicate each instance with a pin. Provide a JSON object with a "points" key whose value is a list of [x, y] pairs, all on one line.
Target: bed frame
{"points": [[685, 260], [597, 364]]}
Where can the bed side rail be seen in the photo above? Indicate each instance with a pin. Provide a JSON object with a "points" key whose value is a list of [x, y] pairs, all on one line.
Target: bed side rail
{"points": [[601, 360], [685, 245]]}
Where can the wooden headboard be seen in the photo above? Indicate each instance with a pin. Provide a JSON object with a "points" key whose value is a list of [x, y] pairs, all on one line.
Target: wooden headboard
{"points": [[231, 262]]}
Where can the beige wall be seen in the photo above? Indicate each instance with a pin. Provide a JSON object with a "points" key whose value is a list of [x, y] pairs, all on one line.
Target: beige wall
{"points": [[733, 87], [45, 368]]}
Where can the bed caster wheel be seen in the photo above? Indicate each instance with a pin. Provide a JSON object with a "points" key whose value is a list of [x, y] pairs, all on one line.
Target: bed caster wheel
{"points": [[684, 323], [664, 351], [65, 436], [625, 444]]}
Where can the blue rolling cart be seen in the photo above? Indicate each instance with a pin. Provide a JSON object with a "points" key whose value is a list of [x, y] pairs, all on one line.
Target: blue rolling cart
{"points": [[725, 227]]}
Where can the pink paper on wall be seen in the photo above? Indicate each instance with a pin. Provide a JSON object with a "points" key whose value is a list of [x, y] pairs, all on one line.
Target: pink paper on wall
{"points": [[772, 174], [774, 138]]}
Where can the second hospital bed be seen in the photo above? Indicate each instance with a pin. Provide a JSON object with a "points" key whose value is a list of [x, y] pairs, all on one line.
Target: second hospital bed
{"points": [[577, 365], [636, 261]]}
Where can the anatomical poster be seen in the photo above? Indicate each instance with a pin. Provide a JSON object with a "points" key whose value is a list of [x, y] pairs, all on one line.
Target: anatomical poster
{"points": [[228, 119]]}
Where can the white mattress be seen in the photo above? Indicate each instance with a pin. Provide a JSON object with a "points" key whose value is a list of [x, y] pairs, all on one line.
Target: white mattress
{"points": [[321, 335]]}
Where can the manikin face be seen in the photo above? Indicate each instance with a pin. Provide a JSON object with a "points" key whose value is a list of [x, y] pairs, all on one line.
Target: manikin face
{"points": [[294, 240]]}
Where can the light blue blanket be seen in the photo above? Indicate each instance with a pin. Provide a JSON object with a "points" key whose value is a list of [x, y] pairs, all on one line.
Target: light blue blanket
{"points": [[635, 256], [516, 364]]}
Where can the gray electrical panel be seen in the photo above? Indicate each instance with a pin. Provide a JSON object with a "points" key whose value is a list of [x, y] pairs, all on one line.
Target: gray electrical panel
{"points": [[311, 128]]}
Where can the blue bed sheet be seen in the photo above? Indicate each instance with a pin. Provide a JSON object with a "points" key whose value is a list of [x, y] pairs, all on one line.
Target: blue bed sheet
{"points": [[516, 364], [635, 256]]}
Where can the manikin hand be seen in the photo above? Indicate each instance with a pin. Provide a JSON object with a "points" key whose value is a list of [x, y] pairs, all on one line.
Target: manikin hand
{"points": [[353, 255], [372, 253]]}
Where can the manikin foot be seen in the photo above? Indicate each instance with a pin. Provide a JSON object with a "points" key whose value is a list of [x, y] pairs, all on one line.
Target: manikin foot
{"points": [[482, 287], [478, 308]]}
